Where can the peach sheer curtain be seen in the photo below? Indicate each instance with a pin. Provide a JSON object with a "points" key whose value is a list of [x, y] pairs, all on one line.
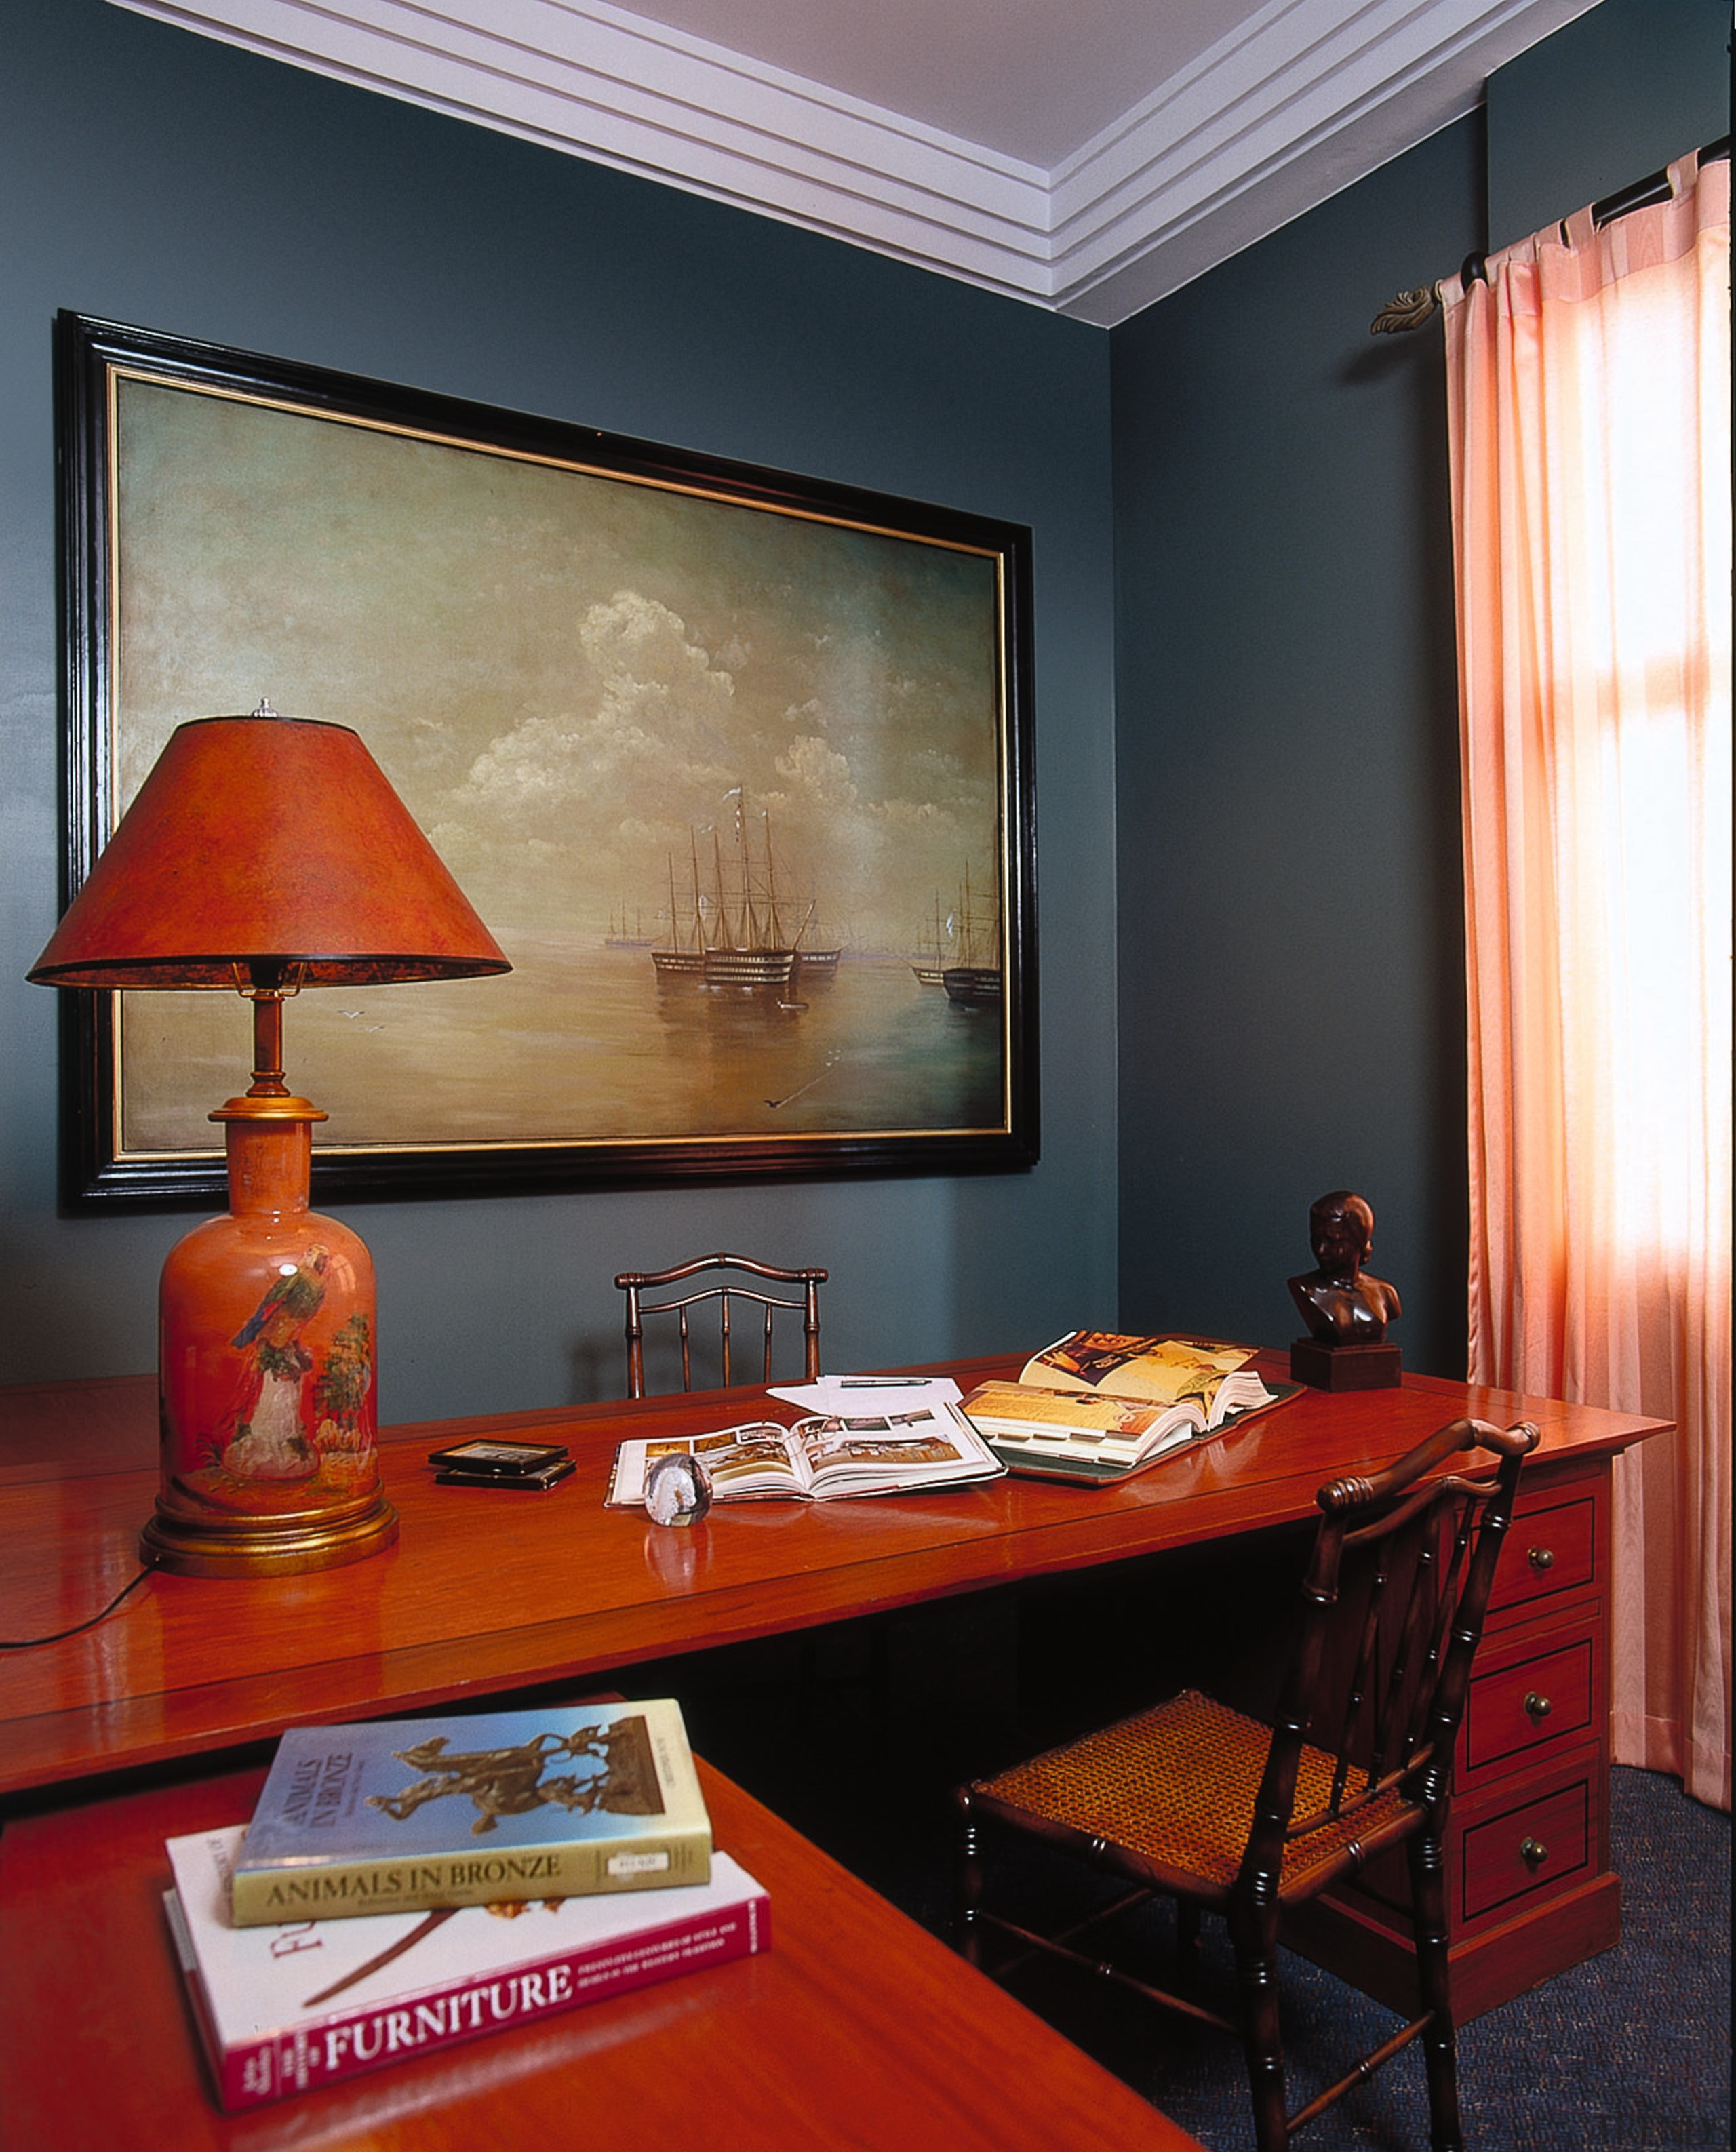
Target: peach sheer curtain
{"points": [[1590, 395]]}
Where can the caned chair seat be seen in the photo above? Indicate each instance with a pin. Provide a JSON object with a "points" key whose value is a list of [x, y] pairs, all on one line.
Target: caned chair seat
{"points": [[1194, 1801], [1167, 1798]]}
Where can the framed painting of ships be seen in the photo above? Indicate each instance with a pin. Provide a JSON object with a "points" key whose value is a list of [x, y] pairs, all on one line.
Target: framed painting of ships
{"points": [[735, 764]]}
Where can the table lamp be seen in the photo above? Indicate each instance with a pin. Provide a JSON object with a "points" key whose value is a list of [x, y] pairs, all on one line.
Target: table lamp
{"points": [[264, 855]]}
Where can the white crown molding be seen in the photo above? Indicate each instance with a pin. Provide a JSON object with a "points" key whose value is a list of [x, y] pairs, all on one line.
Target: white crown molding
{"points": [[1301, 100]]}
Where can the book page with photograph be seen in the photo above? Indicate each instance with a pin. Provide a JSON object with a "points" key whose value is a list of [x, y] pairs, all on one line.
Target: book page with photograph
{"points": [[879, 1452], [824, 1458], [753, 1462], [1095, 1406], [1063, 1434], [1161, 1370]]}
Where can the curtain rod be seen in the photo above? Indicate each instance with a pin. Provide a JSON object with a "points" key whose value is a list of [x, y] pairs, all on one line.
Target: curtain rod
{"points": [[1409, 310]]}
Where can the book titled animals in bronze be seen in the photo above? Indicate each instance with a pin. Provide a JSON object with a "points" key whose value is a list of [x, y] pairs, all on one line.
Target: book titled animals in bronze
{"points": [[418, 1814]]}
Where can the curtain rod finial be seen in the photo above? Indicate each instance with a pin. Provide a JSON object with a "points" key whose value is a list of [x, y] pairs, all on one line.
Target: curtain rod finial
{"points": [[1409, 310]]}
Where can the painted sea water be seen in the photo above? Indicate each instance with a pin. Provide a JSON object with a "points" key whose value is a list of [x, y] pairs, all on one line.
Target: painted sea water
{"points": [[585, 1044]]}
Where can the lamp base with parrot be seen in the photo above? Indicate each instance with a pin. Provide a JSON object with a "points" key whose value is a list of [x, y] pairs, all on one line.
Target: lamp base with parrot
{"points": [[265, 1372]]}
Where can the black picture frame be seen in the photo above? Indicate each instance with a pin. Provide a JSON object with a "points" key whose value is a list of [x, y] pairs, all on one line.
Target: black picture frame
{"points": [[166, 446]]}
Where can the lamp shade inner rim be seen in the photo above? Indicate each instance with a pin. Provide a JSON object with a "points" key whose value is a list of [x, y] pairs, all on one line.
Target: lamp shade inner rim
{"points": [[210, 970]]}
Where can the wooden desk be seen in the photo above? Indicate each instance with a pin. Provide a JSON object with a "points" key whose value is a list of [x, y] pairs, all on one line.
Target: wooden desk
{"points": [[487, 1592], [856, 2030]]}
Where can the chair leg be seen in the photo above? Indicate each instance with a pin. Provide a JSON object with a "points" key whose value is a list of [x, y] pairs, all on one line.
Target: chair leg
{"points": [[968, 1936], [1428, 1902], [1254, 1934]]}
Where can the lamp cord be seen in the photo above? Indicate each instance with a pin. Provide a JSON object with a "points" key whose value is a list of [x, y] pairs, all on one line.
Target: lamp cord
{"points": [[29, 1643]]}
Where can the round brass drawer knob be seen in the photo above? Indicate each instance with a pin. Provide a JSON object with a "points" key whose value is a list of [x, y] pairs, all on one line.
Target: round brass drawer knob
{"points": [[1533, 1852], [1541, 1559], [1537, 1706]]}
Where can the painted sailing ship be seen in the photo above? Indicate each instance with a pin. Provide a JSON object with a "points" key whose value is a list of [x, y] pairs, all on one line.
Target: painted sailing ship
{"points": [[975, 981], [930, 963], [622, 934], [816, 963], [683, 956], [734, 933], [751, 951]]}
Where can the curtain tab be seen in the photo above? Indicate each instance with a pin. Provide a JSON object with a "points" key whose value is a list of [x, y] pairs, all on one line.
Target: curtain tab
{"points": [[1579, 232]]}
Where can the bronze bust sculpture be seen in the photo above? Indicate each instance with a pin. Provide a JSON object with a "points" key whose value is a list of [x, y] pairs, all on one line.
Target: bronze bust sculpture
{"points": [[1346, 1308], [1340, 1302]]}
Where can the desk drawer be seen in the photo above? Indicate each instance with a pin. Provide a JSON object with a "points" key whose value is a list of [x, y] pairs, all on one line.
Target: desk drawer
{"points": [[1514, 1847], [1551, 1547], [1527, 1851], [1519, 1710]]}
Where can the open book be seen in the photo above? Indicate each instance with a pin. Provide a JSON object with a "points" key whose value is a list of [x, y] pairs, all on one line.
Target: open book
{"points": [[1095, 1406], [820, 1459]]}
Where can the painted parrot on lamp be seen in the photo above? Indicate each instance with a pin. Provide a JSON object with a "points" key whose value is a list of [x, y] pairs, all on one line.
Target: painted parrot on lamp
{"points": [[287, 1305]]}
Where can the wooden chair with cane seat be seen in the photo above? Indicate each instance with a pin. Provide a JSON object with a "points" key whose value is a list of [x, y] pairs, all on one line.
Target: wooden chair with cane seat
{"points": [[1225, 1814], [735, 1281]]}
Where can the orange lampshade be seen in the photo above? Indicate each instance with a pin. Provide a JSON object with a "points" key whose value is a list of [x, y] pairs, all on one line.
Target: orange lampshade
{"points": [[261, 842]]}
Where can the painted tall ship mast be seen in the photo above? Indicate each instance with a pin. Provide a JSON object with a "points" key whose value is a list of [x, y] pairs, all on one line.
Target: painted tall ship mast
{"points": [[750, 952], [684, 957]]}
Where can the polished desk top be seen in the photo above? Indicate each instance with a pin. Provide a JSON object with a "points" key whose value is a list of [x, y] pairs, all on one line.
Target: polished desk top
{"points": [[489, 1591], [857, 2032]]}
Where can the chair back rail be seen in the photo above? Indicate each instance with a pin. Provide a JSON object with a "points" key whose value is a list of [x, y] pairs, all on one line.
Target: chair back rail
{"points": [[731, 1272], [1393, 1607]]}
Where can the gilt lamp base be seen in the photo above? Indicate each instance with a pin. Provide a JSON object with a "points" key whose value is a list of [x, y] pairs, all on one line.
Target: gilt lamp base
{"points": [[284, 1546]]}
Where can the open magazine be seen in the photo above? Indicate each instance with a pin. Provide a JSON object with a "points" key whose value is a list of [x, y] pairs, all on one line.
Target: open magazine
{"points": [[821, 1458], [1095, 1406]]}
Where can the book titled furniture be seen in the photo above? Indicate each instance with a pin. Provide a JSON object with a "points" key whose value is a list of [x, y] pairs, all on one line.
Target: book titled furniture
{"points": [[489, 1592]]}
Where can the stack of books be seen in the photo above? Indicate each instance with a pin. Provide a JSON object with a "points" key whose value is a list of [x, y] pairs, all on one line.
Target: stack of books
{"points": [[406, 1884]]}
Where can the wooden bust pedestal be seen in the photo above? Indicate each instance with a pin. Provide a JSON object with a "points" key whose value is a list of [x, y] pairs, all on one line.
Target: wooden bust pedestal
{"points": [[1329, 1367]]}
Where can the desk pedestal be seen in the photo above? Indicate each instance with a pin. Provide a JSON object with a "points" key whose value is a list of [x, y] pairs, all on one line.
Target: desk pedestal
{"points": [[1528, 1888]]}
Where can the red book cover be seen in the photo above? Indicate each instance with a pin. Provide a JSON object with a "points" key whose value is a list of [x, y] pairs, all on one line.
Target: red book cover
{"points": [[285, 2008]]}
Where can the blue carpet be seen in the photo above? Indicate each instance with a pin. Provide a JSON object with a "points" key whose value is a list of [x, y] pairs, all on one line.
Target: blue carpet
{"points": [[1628, 2052]]}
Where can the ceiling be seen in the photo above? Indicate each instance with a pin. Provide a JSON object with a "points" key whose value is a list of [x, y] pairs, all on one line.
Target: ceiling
{"points": [[1089, 156]]}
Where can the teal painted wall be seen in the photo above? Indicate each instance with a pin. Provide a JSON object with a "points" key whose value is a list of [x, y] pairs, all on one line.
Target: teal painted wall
{"points": [[1292, 962], [1261, 631], [1291, 957], [162, 179], [1615, 95]]}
